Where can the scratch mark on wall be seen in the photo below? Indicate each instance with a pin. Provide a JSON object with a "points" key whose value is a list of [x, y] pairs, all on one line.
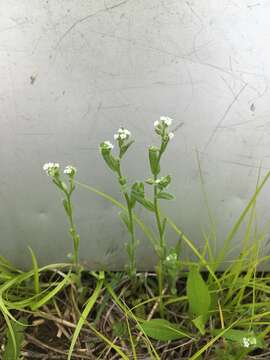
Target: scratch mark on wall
{"points": [[244, 164], [86, 18], [211, 137], [178, 126]]}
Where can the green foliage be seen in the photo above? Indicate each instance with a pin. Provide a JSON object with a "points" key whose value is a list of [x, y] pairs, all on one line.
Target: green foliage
{"points": [[228, 311], [15, 333], [89, 305], [198, 298], [163, 330], [154, 160], [53, 170], [120, 329], [36, 273], [114, 163], [243, 338]]}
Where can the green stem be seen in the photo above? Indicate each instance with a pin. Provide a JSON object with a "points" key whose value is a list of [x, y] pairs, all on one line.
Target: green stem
{"points": [[73, 231], [161, 252], [132, 234], [161, 247], [132, 260]]}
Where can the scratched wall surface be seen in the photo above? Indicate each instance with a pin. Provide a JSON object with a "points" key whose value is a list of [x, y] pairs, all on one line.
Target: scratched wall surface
{"points": [[72, 72]]}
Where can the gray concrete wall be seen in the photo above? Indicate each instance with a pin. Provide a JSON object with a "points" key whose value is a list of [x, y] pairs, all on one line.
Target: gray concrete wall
{"points": [[71, 72]]}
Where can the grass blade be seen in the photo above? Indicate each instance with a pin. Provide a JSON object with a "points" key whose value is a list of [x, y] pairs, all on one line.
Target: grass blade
{"points": [[90, 303], [35, 269]]}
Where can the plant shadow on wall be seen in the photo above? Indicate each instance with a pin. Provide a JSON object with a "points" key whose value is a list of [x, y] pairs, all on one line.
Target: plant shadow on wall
{"points": [[184, 310]]}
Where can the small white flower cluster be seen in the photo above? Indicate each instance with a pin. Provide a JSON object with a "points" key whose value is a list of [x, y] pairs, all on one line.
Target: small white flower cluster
{"points": [[247, 342], [165, 120], [70, 170], [171, 257], [158, 181], [122, 134], [107, 145], [51, 168]]}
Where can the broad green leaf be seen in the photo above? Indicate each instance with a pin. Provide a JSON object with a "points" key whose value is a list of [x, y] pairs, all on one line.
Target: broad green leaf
{"points": [[11, 352], [198, 294], [165, 195], [163, 330], [199, 322], [242, 337]]}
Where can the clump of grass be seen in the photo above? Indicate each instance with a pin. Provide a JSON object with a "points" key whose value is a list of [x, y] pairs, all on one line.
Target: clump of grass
{"points": [[64, 311]]}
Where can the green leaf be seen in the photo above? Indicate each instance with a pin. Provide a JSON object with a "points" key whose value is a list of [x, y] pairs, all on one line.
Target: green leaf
{"points": [[137, 194], [124, 148], [198, 294], [119, 329], [154, 160], [35, 269], [125, 220], [52, 293], [88, 307], [239, 337], [146, 203], [137, 189], [165, 195], [163, 330], [199, 322], [18, 336], [111, 161]]}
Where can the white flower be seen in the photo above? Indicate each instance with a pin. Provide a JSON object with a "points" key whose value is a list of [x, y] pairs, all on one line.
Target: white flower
{"points": [[171, 135], [156, 123], [107, 145], [122, 134], [246, 342], [70, 170], [51, 168], [168, 121]]}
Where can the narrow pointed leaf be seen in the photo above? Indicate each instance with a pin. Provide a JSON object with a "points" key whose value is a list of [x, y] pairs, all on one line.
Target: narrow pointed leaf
{"points": [[165, 196], [163, 330]]}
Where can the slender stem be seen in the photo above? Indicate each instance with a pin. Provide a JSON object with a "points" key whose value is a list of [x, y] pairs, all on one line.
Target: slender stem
{"points": [[161, 252], [132, 255], [132, 260], [161, 247], [73, 232]]}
